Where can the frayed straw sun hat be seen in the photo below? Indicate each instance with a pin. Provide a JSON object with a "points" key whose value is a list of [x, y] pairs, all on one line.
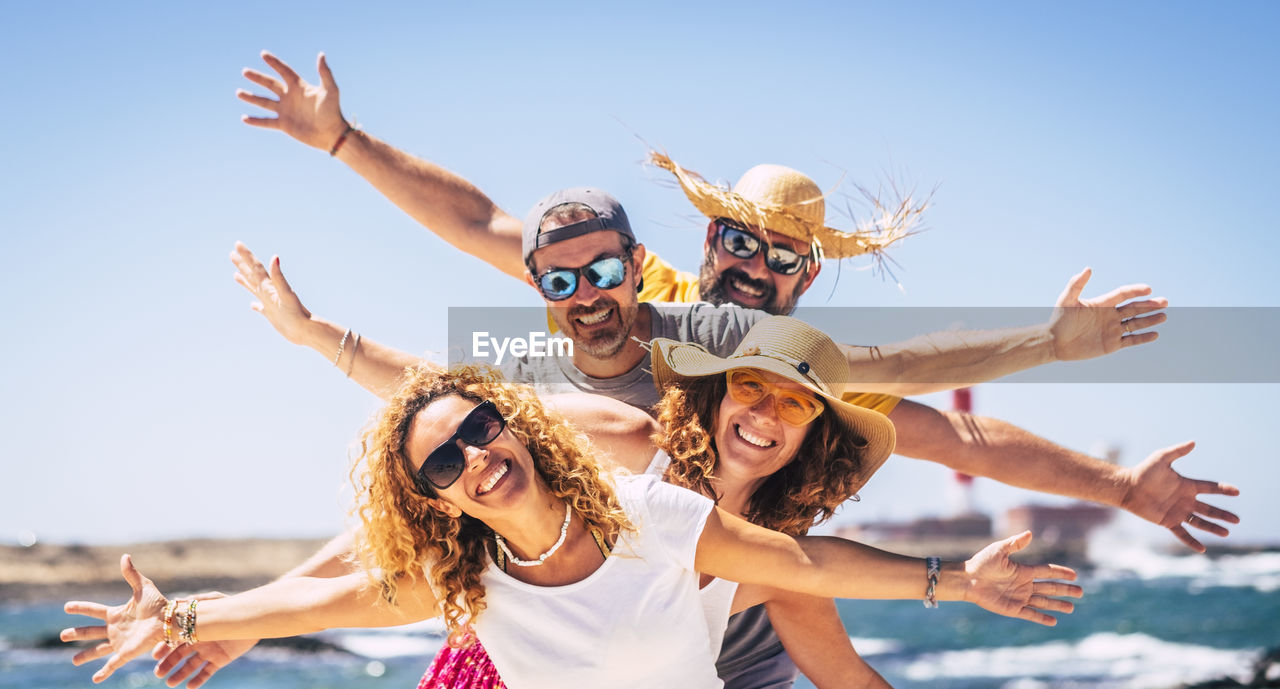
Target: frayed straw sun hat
{"points": [[798, 352], [785, 201]]}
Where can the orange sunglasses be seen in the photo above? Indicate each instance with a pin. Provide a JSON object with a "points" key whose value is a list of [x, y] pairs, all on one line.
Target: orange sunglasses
{"points": [[795, 408]]}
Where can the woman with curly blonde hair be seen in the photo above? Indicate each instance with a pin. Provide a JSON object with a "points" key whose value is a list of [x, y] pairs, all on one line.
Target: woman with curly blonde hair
{"points": [[481, 506], [766, 434], [405, 520]]}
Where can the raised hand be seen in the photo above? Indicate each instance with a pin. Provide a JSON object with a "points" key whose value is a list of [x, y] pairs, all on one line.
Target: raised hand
{"points": [[307, 112], [276, 299], [1007, 588], [1159, 494], [203, 659], [1088, 328], [130, 629]]}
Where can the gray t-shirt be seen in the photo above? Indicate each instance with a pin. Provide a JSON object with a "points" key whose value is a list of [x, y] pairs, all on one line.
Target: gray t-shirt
{"points": [[718, 328]]}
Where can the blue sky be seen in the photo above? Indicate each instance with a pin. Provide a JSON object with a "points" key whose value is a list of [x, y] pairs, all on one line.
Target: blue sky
{"points": [[146, 400]]}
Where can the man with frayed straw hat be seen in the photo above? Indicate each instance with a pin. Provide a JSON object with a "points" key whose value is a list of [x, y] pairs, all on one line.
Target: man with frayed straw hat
{"points": [[778, 214], [764, 245]]}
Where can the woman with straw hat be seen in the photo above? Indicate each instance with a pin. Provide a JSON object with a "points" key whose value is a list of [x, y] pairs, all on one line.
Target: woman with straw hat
{"points": [[765, 434], [465, 478]]}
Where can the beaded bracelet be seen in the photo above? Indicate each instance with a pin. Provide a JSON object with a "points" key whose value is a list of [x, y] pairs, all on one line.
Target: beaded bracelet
{"points": [[341, 345], [188, 632], [934, 565], [168, 623]]}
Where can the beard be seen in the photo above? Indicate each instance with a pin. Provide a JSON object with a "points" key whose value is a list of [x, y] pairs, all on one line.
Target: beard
{"points": [[602, 342], [713, 287]]}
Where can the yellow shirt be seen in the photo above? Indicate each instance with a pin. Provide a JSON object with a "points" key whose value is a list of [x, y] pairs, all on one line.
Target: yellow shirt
{"points": [[662, 282]]}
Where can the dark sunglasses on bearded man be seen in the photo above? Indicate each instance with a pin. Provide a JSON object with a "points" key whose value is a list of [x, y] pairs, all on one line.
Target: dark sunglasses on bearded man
{"points": [[741, 242]]}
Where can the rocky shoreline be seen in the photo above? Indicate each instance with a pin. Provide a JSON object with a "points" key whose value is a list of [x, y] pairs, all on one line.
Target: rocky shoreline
{"points": [[45, 572]]}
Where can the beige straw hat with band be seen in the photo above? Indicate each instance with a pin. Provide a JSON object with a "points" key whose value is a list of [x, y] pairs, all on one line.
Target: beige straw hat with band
{"points": [[798, 352], [785, 201]]}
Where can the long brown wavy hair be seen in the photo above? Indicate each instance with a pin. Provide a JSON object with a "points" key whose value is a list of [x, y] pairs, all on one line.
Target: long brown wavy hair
{"points": [[403, 533], [803, 493]]}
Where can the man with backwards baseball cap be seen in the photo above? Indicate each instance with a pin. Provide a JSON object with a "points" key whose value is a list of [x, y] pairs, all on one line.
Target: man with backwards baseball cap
{"points": [[486, 232]]}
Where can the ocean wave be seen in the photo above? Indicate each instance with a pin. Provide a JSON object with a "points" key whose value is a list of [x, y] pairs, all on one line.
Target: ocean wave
{"points": [[875, 647], [385, 646], [416, 639], [1129, 661], [1260, 571]]}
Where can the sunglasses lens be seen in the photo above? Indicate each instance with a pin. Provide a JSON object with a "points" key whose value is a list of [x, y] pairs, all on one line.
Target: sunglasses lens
{"points": [[739, 242], [482, 425], [745, 387], [443, 466], [796, 409], [606, 273], [558, 284], [784, 261]]}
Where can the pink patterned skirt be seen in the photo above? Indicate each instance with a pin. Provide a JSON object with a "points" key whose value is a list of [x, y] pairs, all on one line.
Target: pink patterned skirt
{"points": [[462, 668]]}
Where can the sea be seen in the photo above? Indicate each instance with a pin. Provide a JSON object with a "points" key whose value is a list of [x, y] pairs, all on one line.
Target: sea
{"points": [[1147, 621]]}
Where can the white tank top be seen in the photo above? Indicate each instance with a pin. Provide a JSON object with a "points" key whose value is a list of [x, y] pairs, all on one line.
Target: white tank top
{"points": [[717, 596], [634, 622]]}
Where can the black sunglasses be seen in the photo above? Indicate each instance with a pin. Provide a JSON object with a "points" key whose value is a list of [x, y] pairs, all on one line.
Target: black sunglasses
{"points": [[559, 284], [445, 463], [740, 242]]}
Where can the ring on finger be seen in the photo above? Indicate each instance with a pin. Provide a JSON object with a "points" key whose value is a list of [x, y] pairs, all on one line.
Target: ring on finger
{"points": [[1190, 517]]}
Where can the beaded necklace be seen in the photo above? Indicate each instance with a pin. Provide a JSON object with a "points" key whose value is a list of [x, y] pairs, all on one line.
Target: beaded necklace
{"points": [[564, 529]]}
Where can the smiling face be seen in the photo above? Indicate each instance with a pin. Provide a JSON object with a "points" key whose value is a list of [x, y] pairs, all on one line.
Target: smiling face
{"points": [[599, 321], [752, 442], [725, 278], [497, 477]]}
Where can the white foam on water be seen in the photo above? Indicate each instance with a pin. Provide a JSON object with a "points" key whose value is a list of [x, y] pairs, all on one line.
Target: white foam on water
{"points": [[1132, 661], [383, 646], [874, 647], [1116, 556], [415, 639]]}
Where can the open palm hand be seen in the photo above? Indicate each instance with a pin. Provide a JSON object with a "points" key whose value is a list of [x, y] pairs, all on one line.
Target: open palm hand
{"points": [[1007, 588], [1089, 328], [129, 630]]}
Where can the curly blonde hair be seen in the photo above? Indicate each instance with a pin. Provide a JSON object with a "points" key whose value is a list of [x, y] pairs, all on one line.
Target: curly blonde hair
{"points": [[403, 533], [801, 494]]}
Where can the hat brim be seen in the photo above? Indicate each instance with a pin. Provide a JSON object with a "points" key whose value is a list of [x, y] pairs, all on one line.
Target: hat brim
{"points": [[715, 202], [679, 362]]}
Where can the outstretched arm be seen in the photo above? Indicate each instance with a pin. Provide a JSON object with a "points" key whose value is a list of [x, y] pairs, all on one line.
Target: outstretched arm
{"points": [[811, 631], [377, 368], [1078, 329], [734, 549], [622, 431], [982, 446], [282, 608], [440, 200], [196, 663]]}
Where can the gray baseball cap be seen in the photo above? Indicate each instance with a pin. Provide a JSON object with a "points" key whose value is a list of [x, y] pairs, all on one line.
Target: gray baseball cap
{"points": [[609, 216]]}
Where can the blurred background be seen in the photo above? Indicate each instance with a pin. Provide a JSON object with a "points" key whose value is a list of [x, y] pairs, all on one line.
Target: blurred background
{"points": [[147, 402]]}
